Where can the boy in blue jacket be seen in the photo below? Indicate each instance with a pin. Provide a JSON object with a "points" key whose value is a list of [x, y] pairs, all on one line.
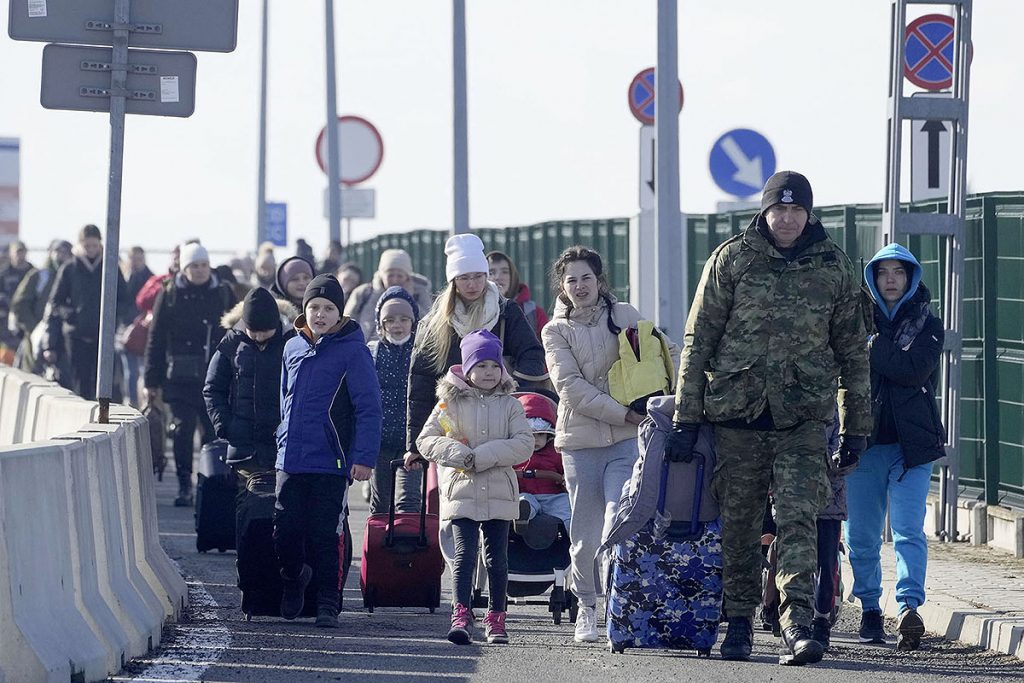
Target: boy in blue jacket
{"points": [[330, 433]]}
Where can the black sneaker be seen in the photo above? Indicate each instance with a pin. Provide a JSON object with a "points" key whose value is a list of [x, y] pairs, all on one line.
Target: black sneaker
{"points": [[739, 640], [911, 630], [293, 595], [872, 628], [184, 499], [821, 631], [326, 617], [799, 647]]}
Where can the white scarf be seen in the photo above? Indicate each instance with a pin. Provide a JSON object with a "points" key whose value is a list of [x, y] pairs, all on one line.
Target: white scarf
{"points": [[461, 320]]}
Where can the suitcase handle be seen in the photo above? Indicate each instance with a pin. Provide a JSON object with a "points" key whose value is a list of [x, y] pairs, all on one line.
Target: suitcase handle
{"points": [[389, 538], [698, 493]]}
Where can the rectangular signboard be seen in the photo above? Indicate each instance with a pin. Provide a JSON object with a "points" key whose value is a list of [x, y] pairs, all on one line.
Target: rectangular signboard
{"points": [[931, 155], [356, 202], [78, 78], [277, 223], [205, 25], [10, 150]]}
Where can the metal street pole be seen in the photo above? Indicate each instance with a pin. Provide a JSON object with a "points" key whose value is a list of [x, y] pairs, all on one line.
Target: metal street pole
{"points": [[670, 283], [112, 239], [261, 202], [460, 142], [333, 144]]}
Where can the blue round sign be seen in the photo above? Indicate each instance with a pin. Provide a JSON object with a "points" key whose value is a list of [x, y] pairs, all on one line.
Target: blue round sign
{"points": [[741, 161], [928, 52]]}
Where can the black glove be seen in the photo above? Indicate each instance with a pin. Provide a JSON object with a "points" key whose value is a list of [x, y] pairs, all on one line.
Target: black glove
{"points": [[847, 457], [680, 442]]}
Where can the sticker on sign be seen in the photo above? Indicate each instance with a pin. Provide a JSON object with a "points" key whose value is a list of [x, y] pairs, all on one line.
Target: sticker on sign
{"points": [[36, 8], [168, 88], [361, 148]]}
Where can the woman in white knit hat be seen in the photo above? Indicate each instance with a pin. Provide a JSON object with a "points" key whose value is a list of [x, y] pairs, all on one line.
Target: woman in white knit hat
{"points": [[393, 270], [469, 302]]}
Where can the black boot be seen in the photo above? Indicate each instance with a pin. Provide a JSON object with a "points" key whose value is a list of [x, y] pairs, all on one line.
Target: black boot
{"points": [[799, 647], [184, 498], [326, 616], [821, 631], [739, 640], [293, 595]]}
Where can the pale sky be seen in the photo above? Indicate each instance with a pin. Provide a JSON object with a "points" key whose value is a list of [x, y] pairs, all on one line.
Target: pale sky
{"points": [[550, 133]]}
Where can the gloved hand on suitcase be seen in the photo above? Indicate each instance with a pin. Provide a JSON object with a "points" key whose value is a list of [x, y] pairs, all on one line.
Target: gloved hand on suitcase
{"points": [[680, 442], [847, 457]]}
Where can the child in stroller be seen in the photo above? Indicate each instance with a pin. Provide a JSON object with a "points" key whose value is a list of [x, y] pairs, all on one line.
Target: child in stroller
{"points": [[538, 552]]}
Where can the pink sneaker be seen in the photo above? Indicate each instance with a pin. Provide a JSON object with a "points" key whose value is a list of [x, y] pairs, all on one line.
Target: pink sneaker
{"points": [[461, 632], [494, 624]]}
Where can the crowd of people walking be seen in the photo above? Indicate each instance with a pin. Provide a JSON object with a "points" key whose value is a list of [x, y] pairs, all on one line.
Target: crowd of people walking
{"points": [[817, 381]]}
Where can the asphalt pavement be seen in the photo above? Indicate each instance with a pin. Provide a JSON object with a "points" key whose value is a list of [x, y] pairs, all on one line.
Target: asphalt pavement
{"points": [[214, 643]]}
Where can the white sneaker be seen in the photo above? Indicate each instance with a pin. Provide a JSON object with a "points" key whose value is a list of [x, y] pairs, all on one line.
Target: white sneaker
{"points": [[586, 625]]}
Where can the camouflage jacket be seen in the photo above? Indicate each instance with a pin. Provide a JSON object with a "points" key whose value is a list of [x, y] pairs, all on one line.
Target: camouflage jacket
{"points": [[767, 332]]}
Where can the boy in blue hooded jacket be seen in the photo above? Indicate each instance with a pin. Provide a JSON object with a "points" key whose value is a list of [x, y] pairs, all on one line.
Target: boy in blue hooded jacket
{"points": [[908, 437], [330, 432]]}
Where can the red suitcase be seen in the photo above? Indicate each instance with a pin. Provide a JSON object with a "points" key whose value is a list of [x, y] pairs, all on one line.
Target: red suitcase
{"points": [[402, 563]]}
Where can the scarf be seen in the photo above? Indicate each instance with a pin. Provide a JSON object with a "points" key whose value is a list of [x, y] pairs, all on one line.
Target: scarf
{"points": [[462, 322]]}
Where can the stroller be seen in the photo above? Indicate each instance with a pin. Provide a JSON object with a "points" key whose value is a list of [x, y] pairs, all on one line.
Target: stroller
{"points": [[538, 550]]}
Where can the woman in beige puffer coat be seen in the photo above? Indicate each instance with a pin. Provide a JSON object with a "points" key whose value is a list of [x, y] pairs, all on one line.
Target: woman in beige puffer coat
{"points": [[476, 433], [596, 433]]}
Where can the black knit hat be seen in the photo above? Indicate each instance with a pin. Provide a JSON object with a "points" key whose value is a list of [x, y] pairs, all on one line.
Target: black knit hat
{"points": [[259, 310], [324, 286], [787, 187]]}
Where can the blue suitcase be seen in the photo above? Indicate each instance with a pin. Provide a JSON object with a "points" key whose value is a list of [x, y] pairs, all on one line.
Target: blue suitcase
{"points": [[665, 581]]}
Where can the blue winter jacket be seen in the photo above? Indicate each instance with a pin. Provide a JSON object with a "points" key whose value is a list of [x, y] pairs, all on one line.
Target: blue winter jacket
{"points": [[330, 403]]}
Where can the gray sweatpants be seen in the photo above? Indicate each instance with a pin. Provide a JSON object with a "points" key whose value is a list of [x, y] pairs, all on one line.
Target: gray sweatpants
{"points": [[594, 479]]}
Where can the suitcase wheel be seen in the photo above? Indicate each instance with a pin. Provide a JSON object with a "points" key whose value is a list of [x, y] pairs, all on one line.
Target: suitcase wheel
{"points": [[705, 652], [616, 648], [556, 604], [433, 609], [248, 617]]}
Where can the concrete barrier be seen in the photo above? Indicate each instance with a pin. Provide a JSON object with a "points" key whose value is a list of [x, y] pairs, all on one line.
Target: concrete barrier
{"points": [[84, 583]]}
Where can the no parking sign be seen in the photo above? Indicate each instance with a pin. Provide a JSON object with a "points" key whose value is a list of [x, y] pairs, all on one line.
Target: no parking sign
{"points": [[929, 46]]}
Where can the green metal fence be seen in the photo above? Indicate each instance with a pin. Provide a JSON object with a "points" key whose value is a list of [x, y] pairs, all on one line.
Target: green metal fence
{"points": [[992, 408]]}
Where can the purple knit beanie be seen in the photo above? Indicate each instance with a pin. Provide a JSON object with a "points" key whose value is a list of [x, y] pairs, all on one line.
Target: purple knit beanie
{"points": [[479, 345]]}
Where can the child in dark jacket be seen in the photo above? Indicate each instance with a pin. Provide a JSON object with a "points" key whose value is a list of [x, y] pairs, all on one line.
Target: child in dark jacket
{"points": [[397, 315], [242, 383], [541, 478], [330, 397]]}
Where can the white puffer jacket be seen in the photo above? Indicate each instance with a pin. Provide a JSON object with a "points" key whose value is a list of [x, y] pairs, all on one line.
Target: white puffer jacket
{"points": [[491, 435], [579, 352]]}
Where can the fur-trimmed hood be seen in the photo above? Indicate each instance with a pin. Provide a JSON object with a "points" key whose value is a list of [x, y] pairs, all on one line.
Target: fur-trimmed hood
{"points": [[232, 319], [454, 386]]}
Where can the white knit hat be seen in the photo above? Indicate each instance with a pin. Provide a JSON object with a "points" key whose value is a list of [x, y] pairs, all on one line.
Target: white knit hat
{"points": [[465, 254], [192, 252]]}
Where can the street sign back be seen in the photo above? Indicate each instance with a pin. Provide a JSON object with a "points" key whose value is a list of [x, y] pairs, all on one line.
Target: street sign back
{"points": [[78, 78], [205, 25]]}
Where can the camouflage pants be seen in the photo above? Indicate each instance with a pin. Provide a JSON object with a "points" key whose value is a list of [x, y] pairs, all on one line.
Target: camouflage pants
{"points": [[792, 464]]}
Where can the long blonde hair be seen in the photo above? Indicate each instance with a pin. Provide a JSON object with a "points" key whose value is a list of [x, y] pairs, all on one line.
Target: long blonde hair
{"points": [[434, 339]]}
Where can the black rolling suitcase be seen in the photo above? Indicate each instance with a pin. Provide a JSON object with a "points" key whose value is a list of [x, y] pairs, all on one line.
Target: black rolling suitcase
{"points": [[258, 576], [216, 490]]}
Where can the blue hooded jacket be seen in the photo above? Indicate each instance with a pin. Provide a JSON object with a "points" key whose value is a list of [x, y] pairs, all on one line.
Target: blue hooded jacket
{"points": [[330, 403], [905, 355], [901, 253], [392, 363]]}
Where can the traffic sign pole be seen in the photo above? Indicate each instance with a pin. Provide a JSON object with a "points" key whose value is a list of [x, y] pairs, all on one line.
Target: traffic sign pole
{"points": [[261, 191], [460, 143], [112, 238], [670, 284], [333, 151]]}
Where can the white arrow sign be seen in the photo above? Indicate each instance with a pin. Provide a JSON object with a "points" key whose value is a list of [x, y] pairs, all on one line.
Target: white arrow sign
{"points": [[748, 171]]}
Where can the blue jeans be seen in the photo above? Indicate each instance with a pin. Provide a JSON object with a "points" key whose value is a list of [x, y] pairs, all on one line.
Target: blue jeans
{"points": [[554, 504], [132, 364], [880, 478]]}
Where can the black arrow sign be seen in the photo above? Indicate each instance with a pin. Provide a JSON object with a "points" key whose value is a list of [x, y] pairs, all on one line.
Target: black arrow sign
{"points": [[934, 129], [650, 183]]}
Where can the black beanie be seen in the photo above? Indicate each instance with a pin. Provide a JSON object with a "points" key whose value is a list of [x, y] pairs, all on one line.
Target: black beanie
{"points": [[325, 286], [259, 310], [787, 187]]}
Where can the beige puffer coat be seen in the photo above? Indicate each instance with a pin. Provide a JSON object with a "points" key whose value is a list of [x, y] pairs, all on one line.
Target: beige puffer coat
{"points": [[579, 351], [475, 478]]}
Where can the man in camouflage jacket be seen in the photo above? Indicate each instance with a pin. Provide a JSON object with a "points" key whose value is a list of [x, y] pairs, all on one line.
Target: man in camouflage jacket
{"points": [[774, 331]]}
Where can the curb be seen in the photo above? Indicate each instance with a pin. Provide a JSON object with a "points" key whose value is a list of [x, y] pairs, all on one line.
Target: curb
{"points": [[956, 619]]}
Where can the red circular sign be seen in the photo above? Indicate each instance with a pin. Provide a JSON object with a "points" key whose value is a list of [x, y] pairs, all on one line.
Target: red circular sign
{"points": [[362, 149], [641, 96]]}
